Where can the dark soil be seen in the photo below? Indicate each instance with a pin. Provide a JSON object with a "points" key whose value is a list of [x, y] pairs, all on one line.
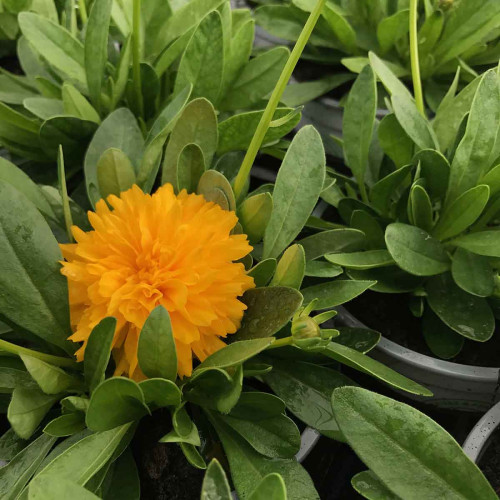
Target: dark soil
{"points": [[164, 472], [490, 462], [390, 315]]}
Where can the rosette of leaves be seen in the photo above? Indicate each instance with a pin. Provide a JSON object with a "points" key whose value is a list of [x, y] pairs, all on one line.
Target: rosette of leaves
{"points": [[424, 198], [134, 55], [63, 414], [457, 33]]}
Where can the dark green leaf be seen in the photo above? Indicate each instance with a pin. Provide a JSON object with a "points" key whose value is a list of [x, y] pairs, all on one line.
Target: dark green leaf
{"points": [[332, 241], [368, 485], [159, 392], [360, 339], [394, 141], [441, 339], [472, 273], [65, 425], [263, 272], [361, 260], [334, 293], [483, 243]]}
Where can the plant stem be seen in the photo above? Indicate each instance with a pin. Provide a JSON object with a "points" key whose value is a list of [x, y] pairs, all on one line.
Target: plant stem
{"points": [[281, 342], [136, 56], [63, 190], [274, 100], [82, 8], [415, 66], [49, 358]]}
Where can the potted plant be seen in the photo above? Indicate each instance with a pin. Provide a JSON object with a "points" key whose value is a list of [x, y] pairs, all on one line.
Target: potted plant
{"points": [[132, 58], [408, 454], [446, 35], [414, 218], [150, 283]]}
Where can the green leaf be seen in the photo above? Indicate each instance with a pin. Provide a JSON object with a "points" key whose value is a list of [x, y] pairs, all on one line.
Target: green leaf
{"points": [[467, 314], [273, 437], [15, 475], [193, 456], [64, 52], [114, 402], [368, 485], [263, 272], [122, 482], [35, 294], [121, 73], [67, 131], [96, 48], [414, 124], [160, 392], [365, 364], [435, 169], [359, 117], [420, 208], [291, 268], [27, 409], [81, 461], [98, 351], [215, 485], [272, 487], [298, 186], [203, 60], [391, 279], [361, 260], [43, 107], [394, 141], [65, 425], [483, 243], [416, 251], [197, 124], [119, 130], [339, 24], [306, 389], [51, 379], [427, 459], [115, 173], [441, 339], [75, 104], [268, 310], [10, 445], [390, 81], [13, 175], [256, 80], [332, 241], [249, 467], [392, 28], [360, 339], [383, 191], [48, 488], [472, 154], [190, 167], [236, 132], [334, 293], [156, 352], [321, 269], [212, 182], [235, 353], [184, 18], [240, 49], [472, 273], [254, 214]]}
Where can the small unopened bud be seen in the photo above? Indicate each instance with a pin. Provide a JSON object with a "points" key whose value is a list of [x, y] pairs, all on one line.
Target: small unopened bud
{"points": [[304, 327]]}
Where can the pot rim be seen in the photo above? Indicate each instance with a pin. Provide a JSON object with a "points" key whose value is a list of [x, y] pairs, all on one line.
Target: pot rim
{"points": [[478, 439], [413, 358]]}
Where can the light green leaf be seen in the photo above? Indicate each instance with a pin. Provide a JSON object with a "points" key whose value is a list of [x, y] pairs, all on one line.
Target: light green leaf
{"points": [[291, 268], [160, 392], [115, 173], [65, 425], [368, 485], [334, 240], [96, 48], [75, 104], [190, 167], [156, 351], [392, 28], [427, 459], [49, 488], [215, 484], [98, 351], [334, 293], [416, 251], [253, 215], [361, 260], [485, 243], [298, 186], [272, 487]]}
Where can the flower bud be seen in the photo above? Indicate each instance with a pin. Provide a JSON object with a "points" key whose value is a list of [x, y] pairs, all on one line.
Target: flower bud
{"points": [[304, 327]]}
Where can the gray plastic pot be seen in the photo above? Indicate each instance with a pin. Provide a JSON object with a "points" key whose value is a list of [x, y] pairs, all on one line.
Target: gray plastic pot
{"points": [[455, 386], [479, 438]]}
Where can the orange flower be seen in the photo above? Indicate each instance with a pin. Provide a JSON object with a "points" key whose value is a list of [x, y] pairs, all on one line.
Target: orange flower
{"points": [[150, 250]]}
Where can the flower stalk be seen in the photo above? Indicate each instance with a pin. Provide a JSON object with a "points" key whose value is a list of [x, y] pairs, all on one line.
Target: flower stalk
{"points": [[414, 60], [267, 116]]}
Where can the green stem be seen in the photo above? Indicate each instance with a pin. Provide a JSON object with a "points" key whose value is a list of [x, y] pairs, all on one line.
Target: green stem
{"points": [[415, 66], [49, 358], [274, 100], [136, 56], [68, 220], [281, 342], [82, 8]]}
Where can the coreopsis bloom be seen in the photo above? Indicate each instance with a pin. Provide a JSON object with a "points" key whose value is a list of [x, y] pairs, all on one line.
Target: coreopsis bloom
{"points": [[150, 250]]}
